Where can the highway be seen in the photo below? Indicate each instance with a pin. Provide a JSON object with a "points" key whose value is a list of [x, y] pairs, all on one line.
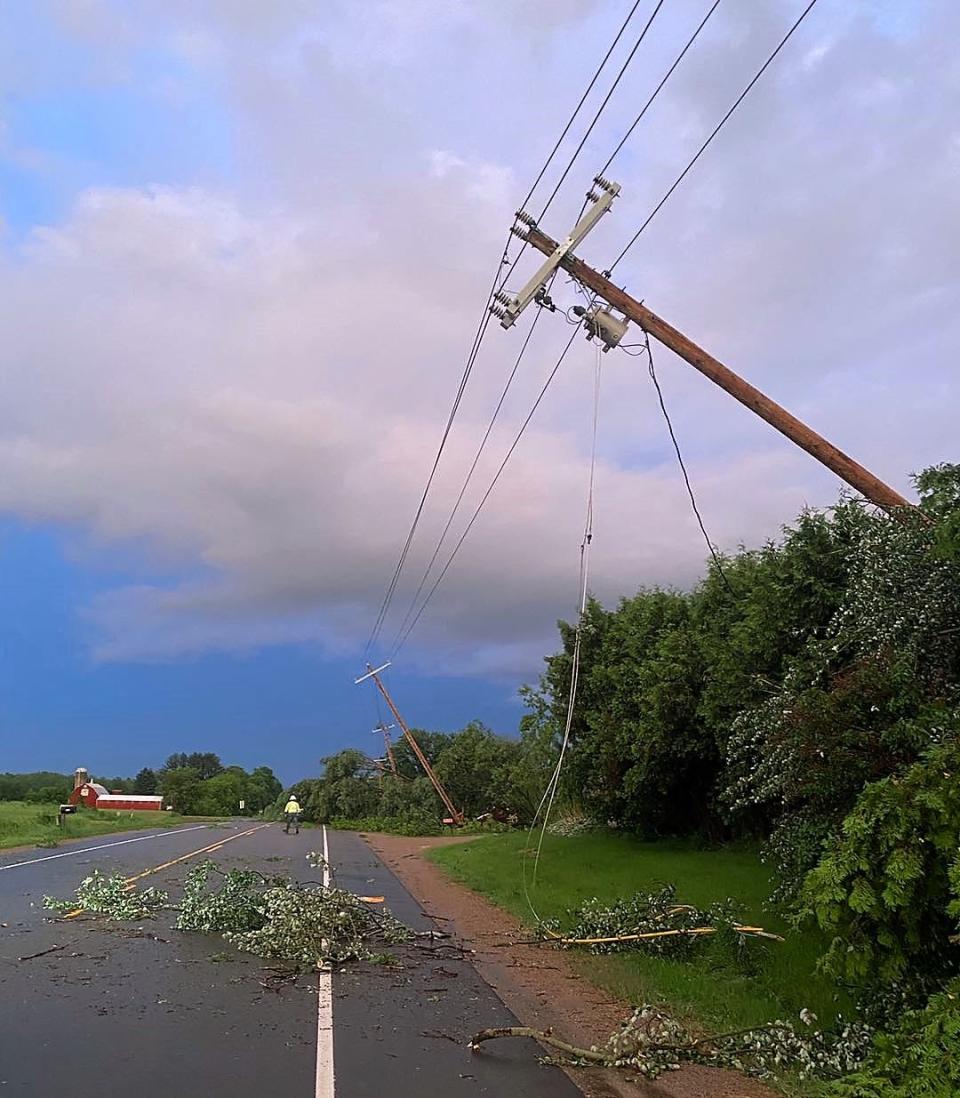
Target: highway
{"points": [[121, 1009]]}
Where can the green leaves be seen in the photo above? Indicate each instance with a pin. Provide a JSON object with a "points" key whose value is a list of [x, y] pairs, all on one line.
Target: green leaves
{"points": [[887, 885]]}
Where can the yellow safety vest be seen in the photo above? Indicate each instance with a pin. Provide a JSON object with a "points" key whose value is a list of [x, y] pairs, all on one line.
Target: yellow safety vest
{"points": [[292, 806]]}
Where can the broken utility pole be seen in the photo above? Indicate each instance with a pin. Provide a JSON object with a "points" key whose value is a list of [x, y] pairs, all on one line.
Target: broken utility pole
{"points": [[825, 452]]}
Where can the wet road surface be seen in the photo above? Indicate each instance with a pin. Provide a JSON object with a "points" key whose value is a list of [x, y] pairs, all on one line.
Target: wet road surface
{"points": [[141, 1008]]}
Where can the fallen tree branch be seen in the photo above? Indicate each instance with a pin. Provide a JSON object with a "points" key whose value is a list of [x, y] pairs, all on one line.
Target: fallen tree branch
{"points": [[545, 1037], [42, 953], [755, 931]]}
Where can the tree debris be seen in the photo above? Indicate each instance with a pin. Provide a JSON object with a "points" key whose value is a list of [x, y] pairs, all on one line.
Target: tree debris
{"points": [[650, 1042]]}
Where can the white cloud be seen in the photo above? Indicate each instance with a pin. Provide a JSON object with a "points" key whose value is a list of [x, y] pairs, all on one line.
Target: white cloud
{"points": [[246, 381]]}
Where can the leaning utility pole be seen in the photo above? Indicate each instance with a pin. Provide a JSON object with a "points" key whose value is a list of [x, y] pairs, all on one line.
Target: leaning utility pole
{"points": [[610, 329], [456, 816]]}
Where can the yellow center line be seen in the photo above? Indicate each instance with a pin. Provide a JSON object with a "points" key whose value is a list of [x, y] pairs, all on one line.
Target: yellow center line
{"points": [[130, 882]]}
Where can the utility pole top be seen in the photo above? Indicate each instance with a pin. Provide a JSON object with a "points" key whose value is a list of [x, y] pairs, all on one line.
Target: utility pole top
{"points": [[508, 308]]}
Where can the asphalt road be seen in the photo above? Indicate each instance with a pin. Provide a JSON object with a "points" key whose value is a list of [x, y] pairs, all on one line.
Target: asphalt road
{"points": [[144, 1009]]}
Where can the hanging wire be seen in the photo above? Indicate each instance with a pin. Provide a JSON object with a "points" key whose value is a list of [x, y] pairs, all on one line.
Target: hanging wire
{"points": [[549, 795], [683, 468]]}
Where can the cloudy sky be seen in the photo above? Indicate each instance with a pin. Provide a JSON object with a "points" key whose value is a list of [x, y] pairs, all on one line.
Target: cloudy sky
{"points": [[244, 248]]}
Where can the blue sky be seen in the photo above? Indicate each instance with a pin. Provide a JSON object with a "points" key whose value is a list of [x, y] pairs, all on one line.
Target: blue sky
{"points": [[243, 250]]}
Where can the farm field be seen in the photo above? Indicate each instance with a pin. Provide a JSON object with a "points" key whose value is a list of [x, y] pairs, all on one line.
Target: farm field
{"points": [[713, 990], [23, 823]]}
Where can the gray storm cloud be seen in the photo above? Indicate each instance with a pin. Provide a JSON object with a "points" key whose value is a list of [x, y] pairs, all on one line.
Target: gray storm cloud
{"points": [[245, 381]]}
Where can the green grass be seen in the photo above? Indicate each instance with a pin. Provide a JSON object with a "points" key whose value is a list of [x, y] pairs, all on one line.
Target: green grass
{"points": [[711, 991], [24, 824]]}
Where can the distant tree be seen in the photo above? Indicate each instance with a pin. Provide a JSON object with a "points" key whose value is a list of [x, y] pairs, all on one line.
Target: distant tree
{"points": [[116, 784], [177, 761], [145, 782], [221, 794], [181, 788], [206, 764], [264, 788], [20, 787]]}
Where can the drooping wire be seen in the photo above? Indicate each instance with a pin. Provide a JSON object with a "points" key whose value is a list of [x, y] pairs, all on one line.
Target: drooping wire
{"points": [[740, 98], [581, 615], [486, 495], [683, 468], [466, 483], [656, 91]]}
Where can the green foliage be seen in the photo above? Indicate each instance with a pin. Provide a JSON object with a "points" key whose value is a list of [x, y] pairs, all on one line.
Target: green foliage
{"points": [[40, 787], [648, 913], [109, 895], [918, 1059], [180, 787], [886, 886], [145, 782], [274, 917], [206, 763]]}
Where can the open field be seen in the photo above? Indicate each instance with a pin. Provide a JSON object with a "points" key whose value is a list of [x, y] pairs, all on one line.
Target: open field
{"points": [[713, 990], [22, 824]]}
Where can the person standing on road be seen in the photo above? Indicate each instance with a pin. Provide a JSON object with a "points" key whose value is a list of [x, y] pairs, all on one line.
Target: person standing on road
{"points": [[291, 814]]}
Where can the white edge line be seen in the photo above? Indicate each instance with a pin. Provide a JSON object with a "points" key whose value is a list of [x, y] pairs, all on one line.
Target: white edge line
{"points": [[324, 1076], [103, 846]]}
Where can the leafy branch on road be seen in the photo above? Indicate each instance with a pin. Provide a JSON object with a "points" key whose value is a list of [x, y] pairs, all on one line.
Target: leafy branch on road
{"points": [[270, 916]]}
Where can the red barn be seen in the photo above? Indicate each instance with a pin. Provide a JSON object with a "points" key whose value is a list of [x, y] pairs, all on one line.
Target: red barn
{"points": [[94, 795]]}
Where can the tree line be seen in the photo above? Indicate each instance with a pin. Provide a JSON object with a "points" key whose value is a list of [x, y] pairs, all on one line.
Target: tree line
{"points": [[195, 784]]}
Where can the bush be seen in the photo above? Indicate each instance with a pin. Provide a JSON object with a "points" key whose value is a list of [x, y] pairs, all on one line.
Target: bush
{"points": [[886, 887], [919, 1059]]}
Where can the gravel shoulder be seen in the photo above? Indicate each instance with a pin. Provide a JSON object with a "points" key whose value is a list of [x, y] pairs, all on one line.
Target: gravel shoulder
{"points": [[541, 987]]}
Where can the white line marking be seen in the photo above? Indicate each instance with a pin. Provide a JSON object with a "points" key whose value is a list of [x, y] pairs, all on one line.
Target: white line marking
{"points": [[104, 846], [324, 1079]]}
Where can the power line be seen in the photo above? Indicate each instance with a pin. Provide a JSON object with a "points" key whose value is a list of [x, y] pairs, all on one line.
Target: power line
{"points": [[602, 106], [478, 339], [659, 87], [579, 106], [740, 98], [683, 467], [468, 369], [487, 493], [466, 481]]}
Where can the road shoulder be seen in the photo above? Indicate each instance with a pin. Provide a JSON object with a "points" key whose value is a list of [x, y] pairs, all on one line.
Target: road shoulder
{"points": [[540, 987]]}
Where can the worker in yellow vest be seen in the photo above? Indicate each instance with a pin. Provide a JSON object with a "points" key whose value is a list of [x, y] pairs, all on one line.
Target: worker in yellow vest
{"points": [[291, 814]]}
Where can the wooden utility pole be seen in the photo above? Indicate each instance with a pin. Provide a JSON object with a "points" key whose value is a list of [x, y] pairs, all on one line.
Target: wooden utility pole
{"points": [[825, 452], [456, 816], [388, 745]]}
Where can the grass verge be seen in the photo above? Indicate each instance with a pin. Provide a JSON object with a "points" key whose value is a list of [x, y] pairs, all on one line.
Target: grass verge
{"points": [[712, 991], [23, 824]]}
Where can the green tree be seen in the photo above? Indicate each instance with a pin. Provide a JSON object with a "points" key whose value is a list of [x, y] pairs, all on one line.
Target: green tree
{"points": [[145, 782], [221, 794], [263, 788], [181, 788], [474, 769]]}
